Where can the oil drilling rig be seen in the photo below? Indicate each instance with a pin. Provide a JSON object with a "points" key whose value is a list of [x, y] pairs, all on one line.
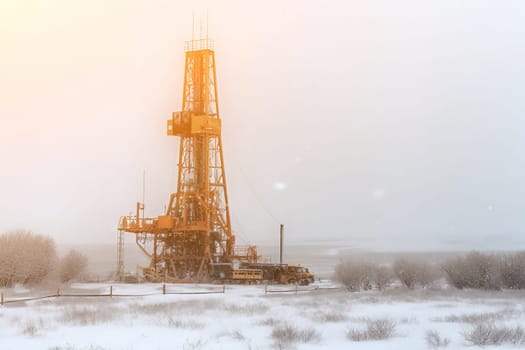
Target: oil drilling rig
{"points": [[193, 239], [195, 230]]}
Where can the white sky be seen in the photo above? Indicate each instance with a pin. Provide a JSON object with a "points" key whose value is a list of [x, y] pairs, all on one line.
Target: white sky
{"points": [[394, 122]]}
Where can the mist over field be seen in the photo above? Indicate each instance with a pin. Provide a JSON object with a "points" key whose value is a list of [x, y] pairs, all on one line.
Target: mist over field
{"points": [[398, 122], [320, 258]]}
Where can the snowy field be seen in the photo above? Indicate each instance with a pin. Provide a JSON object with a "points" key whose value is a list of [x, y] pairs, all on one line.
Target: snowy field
{"points": [[245, 317]]}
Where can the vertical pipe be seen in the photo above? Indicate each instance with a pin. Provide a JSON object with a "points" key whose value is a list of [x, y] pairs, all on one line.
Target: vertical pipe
{"points": [[138, 215], [155, 257], [281, 245], [143, 189], [120, 255]]}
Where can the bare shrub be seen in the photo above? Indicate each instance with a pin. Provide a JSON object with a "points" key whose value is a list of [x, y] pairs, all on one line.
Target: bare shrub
{"points": [[426, 274], [412, 272], [25, 258], [512, 271], [481, 317], [65, 347], [354, 275], [30, 329], [379, 329], [357, 275], [72, 266], [287, 334], [237, 335], [475, 270], [489, 334], [194, 344], [435, 341], [406, 272], [269, 322], [309, 335], [383, 276]]}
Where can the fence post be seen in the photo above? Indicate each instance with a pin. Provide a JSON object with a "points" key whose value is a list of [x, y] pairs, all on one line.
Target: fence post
{"points": [[111, 291], [164, 288], [58, 292], [223, 288], [2, 298], [266, 288], [296, 287]]}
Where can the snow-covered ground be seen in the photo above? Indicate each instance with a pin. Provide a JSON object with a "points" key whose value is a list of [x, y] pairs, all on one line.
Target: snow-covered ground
{"points": [[245, 317]]}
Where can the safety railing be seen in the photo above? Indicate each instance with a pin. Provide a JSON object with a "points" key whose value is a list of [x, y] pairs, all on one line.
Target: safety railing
{"points": [[131, 223], [199, 44]]}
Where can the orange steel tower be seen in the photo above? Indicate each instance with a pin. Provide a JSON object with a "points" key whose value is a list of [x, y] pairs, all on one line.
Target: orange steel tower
{"points": [[195, 231]]}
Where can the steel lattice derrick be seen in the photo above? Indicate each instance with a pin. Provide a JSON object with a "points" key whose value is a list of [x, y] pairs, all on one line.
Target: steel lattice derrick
{"points": [[196, 228]]}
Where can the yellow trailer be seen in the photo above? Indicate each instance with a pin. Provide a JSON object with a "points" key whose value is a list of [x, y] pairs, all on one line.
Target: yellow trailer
{"points": [[247, 275]]}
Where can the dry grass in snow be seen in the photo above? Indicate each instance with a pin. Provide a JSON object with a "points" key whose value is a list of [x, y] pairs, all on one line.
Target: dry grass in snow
{"points": [[435, 340], [285, 335], [379, 329], [484, 334], [245, 318]]}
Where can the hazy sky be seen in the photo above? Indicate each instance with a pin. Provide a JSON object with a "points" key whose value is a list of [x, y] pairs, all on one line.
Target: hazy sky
{"points": [[380, 123]]}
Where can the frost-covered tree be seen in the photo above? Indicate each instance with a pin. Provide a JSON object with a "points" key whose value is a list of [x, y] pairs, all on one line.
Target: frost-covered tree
{"points": [[426, 274], [354, 274], [406, 272], [383, 276], [359, 275], [412, 272], [512, 271], [25, 258], [475, 270], [72, 265]]}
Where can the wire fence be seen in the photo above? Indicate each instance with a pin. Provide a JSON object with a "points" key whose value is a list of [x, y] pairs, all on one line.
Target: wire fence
{"points": [[268, 289], [296, 289], [111, 293]]}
